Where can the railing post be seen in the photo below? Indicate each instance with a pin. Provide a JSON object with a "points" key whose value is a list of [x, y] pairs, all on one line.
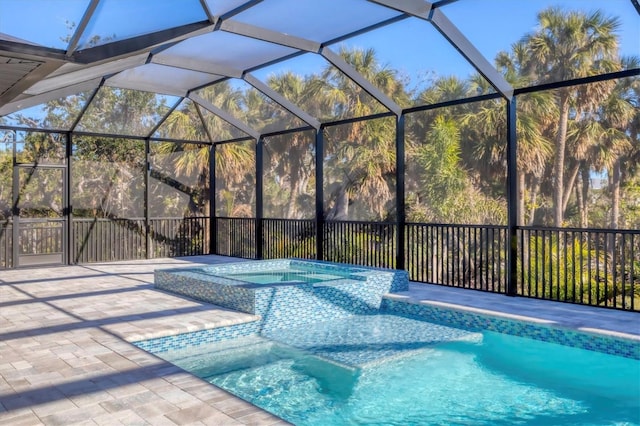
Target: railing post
{"points": [[259, 196], [512, 200], [400, 206], [319, 193], [213, 225]]}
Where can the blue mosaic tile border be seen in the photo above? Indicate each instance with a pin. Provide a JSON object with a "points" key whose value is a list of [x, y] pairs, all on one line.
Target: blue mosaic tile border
{"points": [[196, 338], [280, 305], [473, 321]]}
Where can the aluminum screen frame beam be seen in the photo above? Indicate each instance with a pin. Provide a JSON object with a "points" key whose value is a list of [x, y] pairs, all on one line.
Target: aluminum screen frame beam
{"points": [[426, 11], [275, 37], [244, 6], [201, 66], [224, 115], [282, 101], [471, 53], [86, 74], [12, 107], [75, 39], [417, 8], [196, 65], [337, 61], [210, 16], [313, 47], [140, 43]]}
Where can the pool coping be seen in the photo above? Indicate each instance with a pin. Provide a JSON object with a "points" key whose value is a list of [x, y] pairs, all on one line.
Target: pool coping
{"points": [[567, 316], [514, 317]]}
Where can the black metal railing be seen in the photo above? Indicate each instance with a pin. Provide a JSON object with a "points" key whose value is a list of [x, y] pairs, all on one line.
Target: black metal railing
{"points": [[470, 256], [283, 238], [40, 236], [40, 241], [113, 239], [108, 239], [172, 237], [360, 243], [598, 267], [236, 237], [6, 245]]}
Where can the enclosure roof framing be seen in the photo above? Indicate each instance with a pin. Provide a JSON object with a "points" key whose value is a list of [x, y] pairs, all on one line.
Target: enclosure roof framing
{"points": [[180, 48], [224, 115]]}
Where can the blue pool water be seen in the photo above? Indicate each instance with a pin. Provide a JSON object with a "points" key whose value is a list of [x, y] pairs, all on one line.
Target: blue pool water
{"points": [[283, 276], [396, 370]]}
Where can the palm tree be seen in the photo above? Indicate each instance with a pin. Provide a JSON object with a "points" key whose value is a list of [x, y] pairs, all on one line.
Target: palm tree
{"points": [[569, 45], [233, 161], [362, 154], [487, 124], [619, 114], [292, 155]]}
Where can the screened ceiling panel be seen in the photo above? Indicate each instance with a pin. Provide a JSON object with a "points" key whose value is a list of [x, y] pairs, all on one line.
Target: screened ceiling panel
{"points": [[48, 24], [161, 79], [125, 112], [223, 49], [115, 20], [317, 20], [301, 80], [522, 19], [183, 123], [58, 114], [414, 53], [79, 75]]}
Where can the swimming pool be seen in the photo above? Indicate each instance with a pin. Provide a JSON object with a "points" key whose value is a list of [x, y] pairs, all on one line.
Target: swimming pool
{"points": [[344, 351], [397, 369]]}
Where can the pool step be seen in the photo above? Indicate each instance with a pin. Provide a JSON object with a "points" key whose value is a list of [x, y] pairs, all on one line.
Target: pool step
{"points": [[362, 341]]}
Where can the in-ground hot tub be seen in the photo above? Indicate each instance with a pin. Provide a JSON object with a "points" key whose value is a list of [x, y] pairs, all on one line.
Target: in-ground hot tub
{"points": [[286, 291]]}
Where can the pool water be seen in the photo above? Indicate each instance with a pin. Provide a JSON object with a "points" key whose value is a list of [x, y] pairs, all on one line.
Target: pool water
{"points": [[395, 370], [290, 275]]}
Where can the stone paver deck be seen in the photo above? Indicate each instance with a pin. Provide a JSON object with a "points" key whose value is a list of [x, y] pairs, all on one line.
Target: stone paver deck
{"points": [[66, 356]]}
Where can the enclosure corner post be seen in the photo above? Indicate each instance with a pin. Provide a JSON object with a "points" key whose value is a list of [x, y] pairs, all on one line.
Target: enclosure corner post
{"points": [[512, 200], [147, 220], [213, 230], [68, 205], [15, 212], [400, 202], [319, 193], [259, 197]]}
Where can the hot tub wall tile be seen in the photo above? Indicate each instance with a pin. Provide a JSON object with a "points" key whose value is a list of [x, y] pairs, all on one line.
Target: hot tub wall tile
{"points": [[282, 305]]}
